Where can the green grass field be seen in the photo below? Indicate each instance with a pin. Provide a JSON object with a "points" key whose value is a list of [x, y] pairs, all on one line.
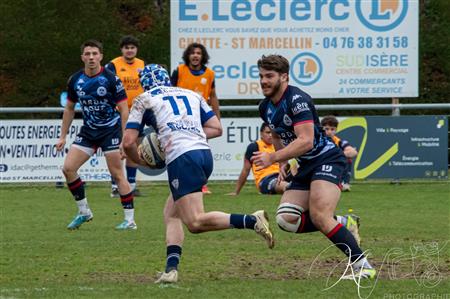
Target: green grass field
{"points": [[405, 227]]}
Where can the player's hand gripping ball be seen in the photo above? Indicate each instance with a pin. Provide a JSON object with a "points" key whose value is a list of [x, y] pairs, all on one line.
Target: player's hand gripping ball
{"points": [[152, 152]]}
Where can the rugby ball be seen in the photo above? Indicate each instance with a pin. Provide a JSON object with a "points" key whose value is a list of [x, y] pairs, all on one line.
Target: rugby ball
{"points": [[152, 152]]}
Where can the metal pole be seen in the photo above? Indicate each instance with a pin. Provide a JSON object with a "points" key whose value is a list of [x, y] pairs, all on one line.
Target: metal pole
{"points": [[395, 109]]}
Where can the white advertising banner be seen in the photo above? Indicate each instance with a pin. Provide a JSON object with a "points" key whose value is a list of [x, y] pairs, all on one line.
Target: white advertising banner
{"points": [[336, 48], [28, 152]]}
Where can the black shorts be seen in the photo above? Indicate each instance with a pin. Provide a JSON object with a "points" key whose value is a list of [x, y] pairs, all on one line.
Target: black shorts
{"points": [[108, 140], [328, 167]]}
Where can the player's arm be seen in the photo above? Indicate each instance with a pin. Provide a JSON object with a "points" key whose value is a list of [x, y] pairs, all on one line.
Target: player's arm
{"points": [[278, 145], [111, 67], [131, 135], [212, 128], [214, 102], [130, 146], [302, 144], [210, 123], [68, 115], [122, 107], [120, 98]]}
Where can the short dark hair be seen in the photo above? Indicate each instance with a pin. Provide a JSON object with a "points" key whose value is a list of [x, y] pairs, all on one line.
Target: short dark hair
{"points": [[190, 49], [91, 43], [129, 40], [273, 62], [263, 126], [329, 120]]}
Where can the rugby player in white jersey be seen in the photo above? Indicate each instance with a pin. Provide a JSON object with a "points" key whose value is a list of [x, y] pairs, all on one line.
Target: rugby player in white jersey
{"points": [[183, 121]]}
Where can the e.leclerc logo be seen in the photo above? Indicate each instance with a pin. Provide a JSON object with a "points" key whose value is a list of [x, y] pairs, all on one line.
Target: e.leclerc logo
{"points": [[381, 15], [306, 68]]}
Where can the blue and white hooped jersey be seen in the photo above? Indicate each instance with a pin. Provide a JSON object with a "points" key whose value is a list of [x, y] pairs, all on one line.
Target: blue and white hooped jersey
{"points": [[98, 96], [295, 107], [179, 114]]}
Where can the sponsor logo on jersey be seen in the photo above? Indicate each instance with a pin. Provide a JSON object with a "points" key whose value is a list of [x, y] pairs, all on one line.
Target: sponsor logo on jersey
{"points": [[185, 125], [101, 91], [79, 88], [300, 107], [102, 80], [287, 120], [295, 97]]}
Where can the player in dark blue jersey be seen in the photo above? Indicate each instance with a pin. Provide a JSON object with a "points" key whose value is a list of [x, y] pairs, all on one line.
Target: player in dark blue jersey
{"points": [[310, 201], [329, 124], [104, 107]]}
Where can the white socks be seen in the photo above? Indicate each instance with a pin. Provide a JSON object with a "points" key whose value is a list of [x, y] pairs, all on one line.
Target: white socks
{"points": [[129, 215], [83, 206]]}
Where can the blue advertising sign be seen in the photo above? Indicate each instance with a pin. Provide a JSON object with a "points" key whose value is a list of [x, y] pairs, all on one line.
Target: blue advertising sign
{"points": [[398, 147]]}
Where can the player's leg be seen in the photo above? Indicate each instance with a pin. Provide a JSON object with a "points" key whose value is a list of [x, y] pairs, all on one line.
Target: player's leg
{"points": [[190, 209], [293, 212], [324, 197], [115, 167], [187, 174], [76, 157], [131, 170], [174, 242], [270, 185]]}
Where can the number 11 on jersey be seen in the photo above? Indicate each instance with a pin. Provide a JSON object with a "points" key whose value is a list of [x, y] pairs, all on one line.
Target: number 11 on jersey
{"points": [[174, 104]]}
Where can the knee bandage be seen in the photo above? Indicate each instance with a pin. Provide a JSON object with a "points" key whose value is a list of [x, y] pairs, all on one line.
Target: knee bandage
{"points": [[291, 210]]}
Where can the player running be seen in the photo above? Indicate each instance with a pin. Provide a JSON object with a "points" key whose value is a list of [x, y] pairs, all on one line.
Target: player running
{"points": [[309, 202], [184, 121]]}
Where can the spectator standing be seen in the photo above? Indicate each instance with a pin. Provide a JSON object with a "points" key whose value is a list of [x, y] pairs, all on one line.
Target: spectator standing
{"points": [[127, 68]]}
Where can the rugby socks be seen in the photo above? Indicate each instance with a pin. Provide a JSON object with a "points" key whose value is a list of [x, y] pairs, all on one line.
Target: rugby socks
{"points": [[77, 189], [242, 221], [127, 201], [173, 257], [345, 241], [306, 224], [83, 207], [131, 176]]}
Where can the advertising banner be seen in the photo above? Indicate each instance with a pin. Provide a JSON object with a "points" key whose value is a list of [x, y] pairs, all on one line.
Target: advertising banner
{"points": [[28, 152], [389, 147], [398, 147], [336, 48]]}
